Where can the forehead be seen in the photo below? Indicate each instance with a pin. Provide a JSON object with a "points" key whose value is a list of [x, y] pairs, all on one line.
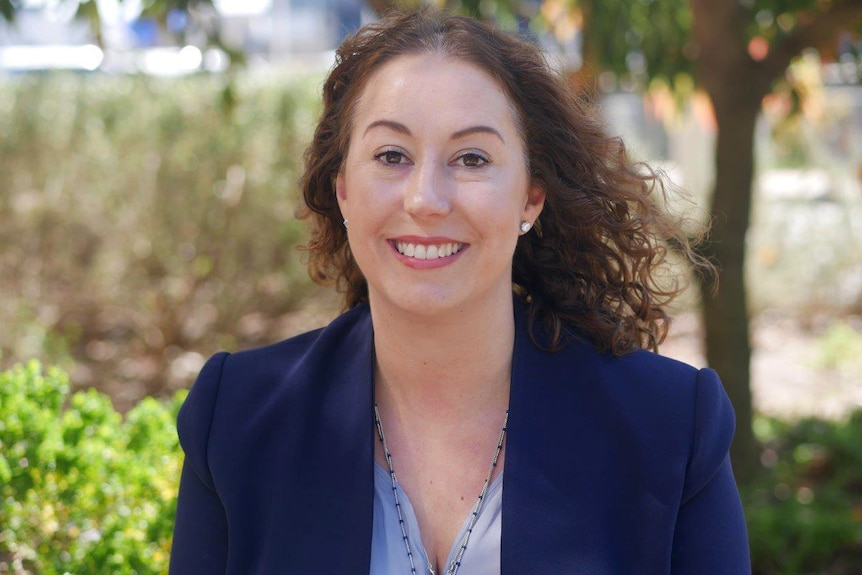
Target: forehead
{"points": [[422, 87]]}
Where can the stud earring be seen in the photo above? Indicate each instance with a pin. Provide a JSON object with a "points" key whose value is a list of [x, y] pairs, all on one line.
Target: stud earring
{"points": [[525, 227], [345, 222]]}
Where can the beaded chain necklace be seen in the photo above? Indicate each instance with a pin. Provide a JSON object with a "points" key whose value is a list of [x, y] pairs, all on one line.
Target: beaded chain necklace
{"points": [[456, 562]]}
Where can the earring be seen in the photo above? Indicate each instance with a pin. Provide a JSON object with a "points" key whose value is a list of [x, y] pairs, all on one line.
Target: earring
{"points": [[525, 227], [345, 222]]}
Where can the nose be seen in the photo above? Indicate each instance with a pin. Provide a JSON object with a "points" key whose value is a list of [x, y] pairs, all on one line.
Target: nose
{"points": [[427, 193]]}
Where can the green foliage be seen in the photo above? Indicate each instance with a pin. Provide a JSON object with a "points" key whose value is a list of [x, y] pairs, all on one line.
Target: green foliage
{"points": [[805, 510], [774, 19], [82, 489], [644, 40], [7, 9], [840, 348], [144, 219], [639, 39]]}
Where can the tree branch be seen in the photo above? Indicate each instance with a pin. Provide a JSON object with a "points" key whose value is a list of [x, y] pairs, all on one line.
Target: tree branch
{"points": [[818, 32], [7, 10]]}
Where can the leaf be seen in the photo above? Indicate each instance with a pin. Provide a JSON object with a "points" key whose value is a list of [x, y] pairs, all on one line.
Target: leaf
{"points": [[8, 9]]}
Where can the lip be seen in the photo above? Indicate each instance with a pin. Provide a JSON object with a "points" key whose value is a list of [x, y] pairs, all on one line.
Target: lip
{"points": [[426, 241]]}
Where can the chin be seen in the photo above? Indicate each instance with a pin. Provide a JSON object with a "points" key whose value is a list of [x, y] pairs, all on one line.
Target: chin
{"points": [[422, 302]]}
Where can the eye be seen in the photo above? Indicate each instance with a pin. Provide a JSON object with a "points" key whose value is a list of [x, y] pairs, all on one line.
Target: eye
{"points": [[472, 160], [391, 157]]}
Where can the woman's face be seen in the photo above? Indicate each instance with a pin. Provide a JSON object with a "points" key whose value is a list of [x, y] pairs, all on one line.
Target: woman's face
{"points": [[435, 186]]}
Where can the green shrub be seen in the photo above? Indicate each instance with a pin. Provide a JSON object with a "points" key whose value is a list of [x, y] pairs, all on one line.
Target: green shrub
{"points": [[83, 490], [805, 511], [147, 223]]}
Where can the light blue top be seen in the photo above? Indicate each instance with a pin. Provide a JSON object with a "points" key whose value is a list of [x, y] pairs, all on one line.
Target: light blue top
{"points": [[389, 555]]}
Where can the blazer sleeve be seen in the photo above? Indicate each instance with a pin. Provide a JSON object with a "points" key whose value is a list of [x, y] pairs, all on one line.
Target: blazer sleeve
{"points": [[200, 533], [710, 536]]}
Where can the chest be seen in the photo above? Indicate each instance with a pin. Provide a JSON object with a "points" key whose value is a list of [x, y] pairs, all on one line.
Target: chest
{"points": [[442, 492], [390, 555]]}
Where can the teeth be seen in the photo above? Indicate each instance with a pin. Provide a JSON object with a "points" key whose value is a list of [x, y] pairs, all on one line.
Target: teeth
{"points": [[432, 252]]}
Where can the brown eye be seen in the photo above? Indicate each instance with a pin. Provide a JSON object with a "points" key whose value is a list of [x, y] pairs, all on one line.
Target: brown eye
{"points": [[390, 157], [473, 160]]}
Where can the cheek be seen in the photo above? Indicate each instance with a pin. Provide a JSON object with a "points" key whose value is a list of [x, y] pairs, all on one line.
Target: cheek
{"points": [[369, 206], [495, 222], [502, 199], [374, 194]]}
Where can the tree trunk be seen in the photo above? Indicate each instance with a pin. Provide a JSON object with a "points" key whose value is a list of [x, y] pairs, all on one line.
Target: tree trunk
{"points": [[736, 85], [725, 311]]}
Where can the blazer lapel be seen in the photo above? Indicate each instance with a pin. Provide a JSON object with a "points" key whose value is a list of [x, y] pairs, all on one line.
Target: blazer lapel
{"points": [[545, 523], [338, 466]]}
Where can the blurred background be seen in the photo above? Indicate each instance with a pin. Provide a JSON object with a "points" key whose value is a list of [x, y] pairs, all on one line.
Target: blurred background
{"points": [[149, 158]]}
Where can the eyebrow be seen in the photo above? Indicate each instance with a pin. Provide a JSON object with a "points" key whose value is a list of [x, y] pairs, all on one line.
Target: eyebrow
{"points": [[402, 129], [394, 126]]}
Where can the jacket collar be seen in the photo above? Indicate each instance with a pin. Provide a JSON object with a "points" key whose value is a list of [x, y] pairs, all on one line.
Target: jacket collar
{"points": [[531, 466]]}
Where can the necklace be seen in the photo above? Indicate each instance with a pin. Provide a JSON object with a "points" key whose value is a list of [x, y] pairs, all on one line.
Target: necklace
{"points": [[456, 562]]}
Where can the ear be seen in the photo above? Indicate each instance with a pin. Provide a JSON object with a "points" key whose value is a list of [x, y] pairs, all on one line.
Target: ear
{"points": [[535, 202], [341, 192]]}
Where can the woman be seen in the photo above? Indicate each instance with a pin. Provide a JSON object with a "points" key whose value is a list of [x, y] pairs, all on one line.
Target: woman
{"points": [[500, 259]]}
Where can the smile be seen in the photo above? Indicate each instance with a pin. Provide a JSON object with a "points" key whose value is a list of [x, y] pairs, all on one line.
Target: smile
{"points": [[428, 252]]}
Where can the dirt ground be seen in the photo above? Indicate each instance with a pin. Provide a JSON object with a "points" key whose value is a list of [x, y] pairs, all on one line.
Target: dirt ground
{"points": [[787, 375]]}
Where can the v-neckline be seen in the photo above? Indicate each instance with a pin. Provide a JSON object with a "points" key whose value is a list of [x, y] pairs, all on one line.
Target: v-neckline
{"points": [[412, 523]]}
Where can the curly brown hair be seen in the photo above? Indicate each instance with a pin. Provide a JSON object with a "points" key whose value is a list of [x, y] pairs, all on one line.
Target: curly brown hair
{"points": [[594, 265]]}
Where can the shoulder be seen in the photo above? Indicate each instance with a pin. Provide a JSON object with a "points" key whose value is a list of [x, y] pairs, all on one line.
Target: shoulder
{"points": [[235, 388], [693, 398], [639, 375], [304, 350], [664, 417], [656, 388]]}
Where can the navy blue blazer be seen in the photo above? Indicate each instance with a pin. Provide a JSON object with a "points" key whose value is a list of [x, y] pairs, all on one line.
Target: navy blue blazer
{"points": [[614, 465]]}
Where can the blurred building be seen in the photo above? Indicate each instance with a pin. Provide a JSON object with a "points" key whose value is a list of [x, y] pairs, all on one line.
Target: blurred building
{"points": [[283, 30], [42, 39], [267, 32]]}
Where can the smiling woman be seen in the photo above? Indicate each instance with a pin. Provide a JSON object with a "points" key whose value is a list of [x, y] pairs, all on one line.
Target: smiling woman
{"points": [[499, 256], [424, 181]]}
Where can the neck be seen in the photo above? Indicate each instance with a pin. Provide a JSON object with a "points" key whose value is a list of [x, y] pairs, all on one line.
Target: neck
{"points": [[444, 367]]}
